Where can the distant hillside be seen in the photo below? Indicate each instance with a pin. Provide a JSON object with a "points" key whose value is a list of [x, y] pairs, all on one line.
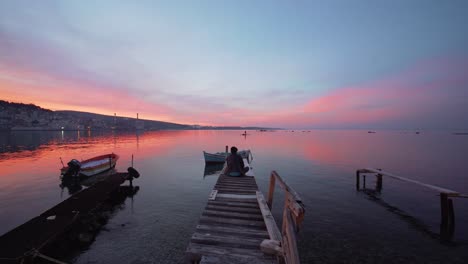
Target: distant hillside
{"points": [[19, 116], [123, 122]]}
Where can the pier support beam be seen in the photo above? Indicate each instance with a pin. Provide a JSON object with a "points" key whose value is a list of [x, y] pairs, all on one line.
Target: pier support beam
{"points": [[271, 191], [444, 210]]}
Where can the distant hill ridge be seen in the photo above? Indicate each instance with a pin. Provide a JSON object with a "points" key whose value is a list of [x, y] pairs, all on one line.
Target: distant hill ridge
{"points": [[20, 116]]}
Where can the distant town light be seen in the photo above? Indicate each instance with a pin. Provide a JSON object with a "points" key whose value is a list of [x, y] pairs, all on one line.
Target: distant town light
{"points": [[63, 128]]}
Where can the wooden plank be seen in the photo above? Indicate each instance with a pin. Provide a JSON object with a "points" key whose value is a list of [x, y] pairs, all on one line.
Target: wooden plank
{"points": [[236, 189], [228, 259], [238, 230], [226, 240], [234, 215], [237, 196], [228, 221], [432, 187], [234, 182], [232, 209], [213, 195], [271, 191], [234, 185], [291, 255], [270, 223], [253, 201], [238, 255], [235, 204]]}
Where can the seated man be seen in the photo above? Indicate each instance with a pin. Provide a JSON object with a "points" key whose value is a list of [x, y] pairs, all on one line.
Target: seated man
{"points": [[235, 165]]}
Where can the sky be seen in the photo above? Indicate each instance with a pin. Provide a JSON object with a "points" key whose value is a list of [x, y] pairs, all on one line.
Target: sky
{"points": [[293, 64]]}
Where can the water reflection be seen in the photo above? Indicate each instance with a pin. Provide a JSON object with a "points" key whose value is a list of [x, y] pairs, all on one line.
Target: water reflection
{"points": [[74, 184], [320, 165], [213, 169]]}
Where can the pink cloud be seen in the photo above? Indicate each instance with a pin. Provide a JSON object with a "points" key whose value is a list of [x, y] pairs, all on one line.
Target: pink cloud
{"points": [[59, 94], [429, 86]]}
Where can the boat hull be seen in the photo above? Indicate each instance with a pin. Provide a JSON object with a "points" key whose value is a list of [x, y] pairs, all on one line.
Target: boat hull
{"points": [[96, 165], [219, 157]]}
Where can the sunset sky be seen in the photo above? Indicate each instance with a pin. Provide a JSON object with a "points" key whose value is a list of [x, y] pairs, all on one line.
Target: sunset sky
{"points": [[292, 64]]}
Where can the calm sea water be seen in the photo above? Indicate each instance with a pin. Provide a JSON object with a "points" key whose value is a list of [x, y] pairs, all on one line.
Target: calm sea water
{"points": [[401, 225]]}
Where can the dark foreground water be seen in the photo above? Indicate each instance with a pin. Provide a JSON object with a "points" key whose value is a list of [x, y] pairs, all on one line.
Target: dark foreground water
{"points": [[401, 225]]}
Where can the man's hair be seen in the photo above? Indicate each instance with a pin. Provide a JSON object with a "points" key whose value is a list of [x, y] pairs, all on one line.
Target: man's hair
{"points": [[233, 150]]}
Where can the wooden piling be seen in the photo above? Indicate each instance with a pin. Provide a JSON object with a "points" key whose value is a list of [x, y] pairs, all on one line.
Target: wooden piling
{"points": [[379, 183], [271, 190], [444, 210], [358, 173]]}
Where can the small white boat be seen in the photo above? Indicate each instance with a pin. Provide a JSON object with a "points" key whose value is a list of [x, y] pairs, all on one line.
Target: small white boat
{"points": [[218, 157], [91, 166]]}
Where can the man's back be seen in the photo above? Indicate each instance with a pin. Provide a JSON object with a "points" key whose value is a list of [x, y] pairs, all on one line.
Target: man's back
{"points": [[234, 165]]}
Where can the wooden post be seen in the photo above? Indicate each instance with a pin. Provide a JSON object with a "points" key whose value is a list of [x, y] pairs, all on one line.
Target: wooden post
{"points": [[271, 190], [132, 160], [451, 214], [379, 183], [227, 148], [358, 174], [444, 210], [364, 182]]}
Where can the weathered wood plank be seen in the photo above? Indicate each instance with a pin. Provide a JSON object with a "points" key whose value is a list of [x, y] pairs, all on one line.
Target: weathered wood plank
{"points": [[289, 238], [228, 259], [238, 196], [228, 221], [236, 190], [226, 240], [234, 204], [232, 209], [270, 223], [213, 195], [237, 230], [234, 215], [223, 251], [233, 185]]}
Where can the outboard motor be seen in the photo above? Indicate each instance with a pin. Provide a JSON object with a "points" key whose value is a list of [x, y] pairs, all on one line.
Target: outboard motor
{"points": [[74, 167], [132, 174]]}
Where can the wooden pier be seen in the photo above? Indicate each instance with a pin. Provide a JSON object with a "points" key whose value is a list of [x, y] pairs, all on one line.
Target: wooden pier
{"points": [[237, 226], [447, 214], [66, 226]]}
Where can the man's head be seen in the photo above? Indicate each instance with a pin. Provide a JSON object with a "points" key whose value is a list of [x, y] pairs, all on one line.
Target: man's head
{"points": [[233, 150]]}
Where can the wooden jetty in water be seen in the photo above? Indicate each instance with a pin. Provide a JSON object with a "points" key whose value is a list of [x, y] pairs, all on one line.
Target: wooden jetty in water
{"points": [[237, 225], [447, 213], [76, 220]]}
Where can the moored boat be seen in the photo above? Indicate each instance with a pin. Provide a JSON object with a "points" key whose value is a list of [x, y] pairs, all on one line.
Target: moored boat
{"points": [[91, 166], [220, 157]]}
